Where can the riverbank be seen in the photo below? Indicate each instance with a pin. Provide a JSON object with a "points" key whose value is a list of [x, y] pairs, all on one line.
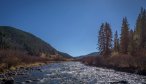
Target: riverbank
{"points": [[122, 69], [22, 65], [7, 77], [124, 63], [26, 66]]}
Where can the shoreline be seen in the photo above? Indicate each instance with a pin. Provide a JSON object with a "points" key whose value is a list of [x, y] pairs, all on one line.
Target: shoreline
{"points": [[27, 66], [131, 70], [24, 66], [8, 75]]}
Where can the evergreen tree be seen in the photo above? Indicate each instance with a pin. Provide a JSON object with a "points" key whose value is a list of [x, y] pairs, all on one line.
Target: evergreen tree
{"points": [[105, 39], [116, 42], [124, 39], [131, 46], [140, 35], [108, 39], [101, 40]]}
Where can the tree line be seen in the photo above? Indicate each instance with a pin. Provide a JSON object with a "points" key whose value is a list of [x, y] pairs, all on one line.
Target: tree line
{"points": [[125, 51], [130, 41]]}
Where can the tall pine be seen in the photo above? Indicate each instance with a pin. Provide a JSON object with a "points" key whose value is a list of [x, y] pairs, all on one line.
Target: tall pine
{"points": [[101, 40], [124, 39], [116, 42], [105, 39], [140, 30], [131, 46]]}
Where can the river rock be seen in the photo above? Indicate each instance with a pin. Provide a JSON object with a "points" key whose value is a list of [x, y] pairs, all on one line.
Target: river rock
{"points": [[28, 81], [5, 81]]}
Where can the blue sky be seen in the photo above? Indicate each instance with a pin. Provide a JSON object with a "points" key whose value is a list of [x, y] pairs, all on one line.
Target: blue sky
{"points": [[70, 26]]}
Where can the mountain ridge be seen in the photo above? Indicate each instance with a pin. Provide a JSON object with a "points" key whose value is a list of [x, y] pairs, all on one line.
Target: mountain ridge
{"points": [[16, 39], [88, 55]]}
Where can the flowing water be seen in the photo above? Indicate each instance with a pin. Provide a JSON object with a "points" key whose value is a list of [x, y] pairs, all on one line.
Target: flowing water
{"points": [[77, 73]]}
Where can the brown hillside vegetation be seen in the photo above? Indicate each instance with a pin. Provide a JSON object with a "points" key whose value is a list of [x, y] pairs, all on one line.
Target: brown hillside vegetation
{"points": [[20, 48], [11, 58]]}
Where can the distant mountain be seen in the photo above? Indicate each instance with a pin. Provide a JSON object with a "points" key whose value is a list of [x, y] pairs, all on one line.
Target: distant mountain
{"points": [[65, 54], [90, 54], [15, 39], [93, 54]]}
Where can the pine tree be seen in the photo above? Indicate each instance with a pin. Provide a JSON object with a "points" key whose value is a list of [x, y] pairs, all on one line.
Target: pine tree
{"points": [[116, 42], [105, 39], [101, 40], [124, 40], [131, 46], [108, 39], [140, 35]]}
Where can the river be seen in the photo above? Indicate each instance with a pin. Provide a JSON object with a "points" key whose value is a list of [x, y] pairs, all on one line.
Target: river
{"points": [[76, 73]]}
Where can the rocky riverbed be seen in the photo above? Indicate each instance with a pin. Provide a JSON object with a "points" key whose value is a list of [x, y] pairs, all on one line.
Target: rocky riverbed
{"points": [[75, 73]]}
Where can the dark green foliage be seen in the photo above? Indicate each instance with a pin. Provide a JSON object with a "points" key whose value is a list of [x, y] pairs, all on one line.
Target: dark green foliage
{"points": [[140, 35], [131, 46], [132, 55], [116, 42], [18, 47], [124, 39], [105, 39], [101, 44], [15, 39]]}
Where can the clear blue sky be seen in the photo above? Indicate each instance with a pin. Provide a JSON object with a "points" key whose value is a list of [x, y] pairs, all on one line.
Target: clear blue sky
{"points": [[70, 26]]}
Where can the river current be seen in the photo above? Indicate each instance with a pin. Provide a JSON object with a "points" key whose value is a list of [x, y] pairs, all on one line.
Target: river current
{"points": [[77, 73]]}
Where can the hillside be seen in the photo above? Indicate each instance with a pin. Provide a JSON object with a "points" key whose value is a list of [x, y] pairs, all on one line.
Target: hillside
{"points": [[65, 54], [15, 39], [17, 46]]}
